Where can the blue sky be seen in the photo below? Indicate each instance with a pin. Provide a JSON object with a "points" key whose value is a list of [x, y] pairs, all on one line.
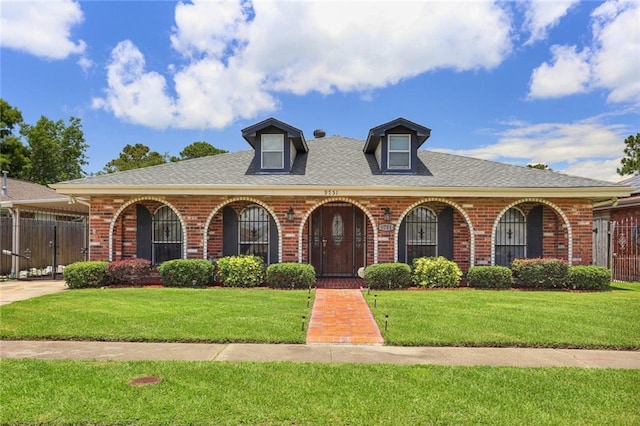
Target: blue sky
{"points": [[517, 82]]}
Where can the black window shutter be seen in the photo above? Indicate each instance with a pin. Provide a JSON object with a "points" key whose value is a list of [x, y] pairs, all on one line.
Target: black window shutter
{"points": [[402, 241], [534, 232], [445, 233], [273, 241], [229, 231], [143, 232]]}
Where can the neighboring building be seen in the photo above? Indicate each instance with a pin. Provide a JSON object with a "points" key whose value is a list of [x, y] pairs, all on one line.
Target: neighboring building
{"points": [[39, 229], [340, 203], [617, 233]]}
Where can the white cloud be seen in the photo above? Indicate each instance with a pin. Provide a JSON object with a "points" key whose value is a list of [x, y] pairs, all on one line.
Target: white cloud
{"points": [[238, 57], [616, 64], [135, 94], [41, 28], [566, 147], [540, 16], [569, 73], [610, 62]]}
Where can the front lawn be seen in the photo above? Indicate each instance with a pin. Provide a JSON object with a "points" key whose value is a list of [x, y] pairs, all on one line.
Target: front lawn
{"points": [[224, 393], [510, 318], [160, 314]]}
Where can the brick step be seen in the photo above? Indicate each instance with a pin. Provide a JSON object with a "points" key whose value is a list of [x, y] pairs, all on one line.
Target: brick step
{"points": [[340, 283]]}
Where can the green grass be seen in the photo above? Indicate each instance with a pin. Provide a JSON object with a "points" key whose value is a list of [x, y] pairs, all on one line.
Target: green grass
{"points": [[221, 393], [511, 318], [160, 314]]}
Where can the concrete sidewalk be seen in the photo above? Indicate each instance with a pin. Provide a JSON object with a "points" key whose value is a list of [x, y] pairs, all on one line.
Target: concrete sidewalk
{"points": [[324, 353]]}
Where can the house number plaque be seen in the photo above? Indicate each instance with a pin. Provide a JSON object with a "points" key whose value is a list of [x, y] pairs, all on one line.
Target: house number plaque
{"points": [[386, 227]]}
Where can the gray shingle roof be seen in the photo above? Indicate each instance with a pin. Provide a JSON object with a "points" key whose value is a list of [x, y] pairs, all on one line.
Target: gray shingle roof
{"points": [[339, 161], [19, 190]]}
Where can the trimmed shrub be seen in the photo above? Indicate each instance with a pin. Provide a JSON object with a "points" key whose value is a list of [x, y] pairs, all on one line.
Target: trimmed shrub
{"points": [[540, 273], [187, 273], [588, 277], [290, 275], [128, 271], [489, 277], [436, 272], [387, 275], [241, 271], [90, 274]]}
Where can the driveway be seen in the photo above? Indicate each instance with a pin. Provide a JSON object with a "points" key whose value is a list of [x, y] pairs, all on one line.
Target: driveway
{"points": [[12, 291]]}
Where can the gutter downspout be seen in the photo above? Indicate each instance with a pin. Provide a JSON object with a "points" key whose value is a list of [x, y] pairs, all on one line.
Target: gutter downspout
{"points": [[15, 243], [74, 200]]}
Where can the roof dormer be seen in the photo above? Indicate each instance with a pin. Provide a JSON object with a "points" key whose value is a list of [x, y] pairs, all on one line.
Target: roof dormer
{"points": [[276, 145], [395, 145]]}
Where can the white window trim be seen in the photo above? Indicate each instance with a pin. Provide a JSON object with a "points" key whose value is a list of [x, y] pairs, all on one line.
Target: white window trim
{"points": [[404, 151], [281, 151]]}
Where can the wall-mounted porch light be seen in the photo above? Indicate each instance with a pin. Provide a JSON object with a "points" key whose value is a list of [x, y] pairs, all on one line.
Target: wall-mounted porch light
{"points": [[290, 215], [387, 213]]}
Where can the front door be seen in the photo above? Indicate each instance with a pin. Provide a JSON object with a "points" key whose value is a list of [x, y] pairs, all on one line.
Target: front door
{"points": [[337, 240]]}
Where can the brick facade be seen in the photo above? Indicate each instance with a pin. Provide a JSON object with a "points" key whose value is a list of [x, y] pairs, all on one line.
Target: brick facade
{"points": [[567, 224]]}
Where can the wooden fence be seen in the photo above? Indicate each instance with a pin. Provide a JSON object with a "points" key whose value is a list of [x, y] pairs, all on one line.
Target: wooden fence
{"points": [[42, 247]]}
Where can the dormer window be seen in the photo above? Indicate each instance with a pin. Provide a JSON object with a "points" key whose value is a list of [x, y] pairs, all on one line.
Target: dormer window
{"points": [[272, 151], [276, 146], [399, 155], [395, 145]]}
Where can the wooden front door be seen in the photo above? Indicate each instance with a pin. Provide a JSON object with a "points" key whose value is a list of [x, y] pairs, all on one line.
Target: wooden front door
{"points": [[337, 240]]}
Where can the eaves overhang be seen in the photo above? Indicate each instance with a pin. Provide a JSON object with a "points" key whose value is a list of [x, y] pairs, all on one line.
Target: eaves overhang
{"points": [[595, 193], [51, 204]]}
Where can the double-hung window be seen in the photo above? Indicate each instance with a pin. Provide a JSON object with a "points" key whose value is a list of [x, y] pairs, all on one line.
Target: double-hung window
{"points": [[399, 152], [272, 151]]}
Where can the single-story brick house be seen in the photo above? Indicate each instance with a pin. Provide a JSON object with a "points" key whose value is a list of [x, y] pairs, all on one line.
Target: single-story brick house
{"points": [[340, 204]]}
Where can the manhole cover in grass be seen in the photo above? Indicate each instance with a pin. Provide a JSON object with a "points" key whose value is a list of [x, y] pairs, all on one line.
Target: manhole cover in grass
{"points": [[145, 380]]}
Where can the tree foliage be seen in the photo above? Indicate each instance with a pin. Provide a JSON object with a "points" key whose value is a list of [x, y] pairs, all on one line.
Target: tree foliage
{"points": [[135, 157], [539, 166], [197, 150], [630, 165], [54, 150]]}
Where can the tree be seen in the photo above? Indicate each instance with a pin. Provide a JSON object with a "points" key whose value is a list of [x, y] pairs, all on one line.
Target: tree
{"points": [[539, 166], [14, 156], [54, 151], [57, 150], [197, 150], [135, 157], [631, 163]]}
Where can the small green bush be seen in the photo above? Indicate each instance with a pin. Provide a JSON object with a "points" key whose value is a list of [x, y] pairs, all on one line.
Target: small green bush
{"points": [[387, 275], [128, 271], [290, 275], [588, 277], [489, 277], [436, 272], [540, 273], [241, 271], [89, 274], [187, 273]]}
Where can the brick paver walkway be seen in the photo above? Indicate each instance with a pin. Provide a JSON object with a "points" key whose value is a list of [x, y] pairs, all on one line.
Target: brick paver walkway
{"points": [[342, 316]]}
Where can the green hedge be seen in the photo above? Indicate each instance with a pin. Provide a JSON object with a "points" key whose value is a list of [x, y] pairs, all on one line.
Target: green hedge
{"points": [[387, 275], [540, 273], [128, 271], [435, 272], [241, 271], [587, 277], [90, 274], [187, 273], [290, 275], [489, 277]]}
